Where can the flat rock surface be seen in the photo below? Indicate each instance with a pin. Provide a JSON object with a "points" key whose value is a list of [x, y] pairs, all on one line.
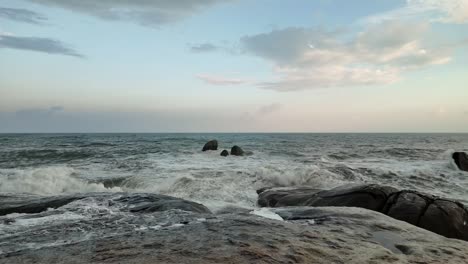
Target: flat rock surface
{"points": [[105, 229]]}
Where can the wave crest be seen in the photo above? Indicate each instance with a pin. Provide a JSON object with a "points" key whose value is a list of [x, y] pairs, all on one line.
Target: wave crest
{"points": [[47, 181]]}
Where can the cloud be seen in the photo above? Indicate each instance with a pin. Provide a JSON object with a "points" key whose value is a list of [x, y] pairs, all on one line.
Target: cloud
{"points": [[220, 80], [305, 58], [438, 11], [22, 15], [144, 12], [45, 45], [203, 47], [269, 109], [39, 112]]}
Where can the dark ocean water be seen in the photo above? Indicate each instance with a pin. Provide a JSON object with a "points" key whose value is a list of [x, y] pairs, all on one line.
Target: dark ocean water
{"points": [[173, 164]]}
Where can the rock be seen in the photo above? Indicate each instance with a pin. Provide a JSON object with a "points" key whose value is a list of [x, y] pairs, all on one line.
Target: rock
{"points": [[310, 235], [372, 197], [237, 151], [444, 217], [224, 153], [211, 145], [134, 202], [461, 159]]}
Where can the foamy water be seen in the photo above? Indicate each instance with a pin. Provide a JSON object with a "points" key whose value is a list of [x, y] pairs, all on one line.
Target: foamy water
{"points": [[174, 164]]}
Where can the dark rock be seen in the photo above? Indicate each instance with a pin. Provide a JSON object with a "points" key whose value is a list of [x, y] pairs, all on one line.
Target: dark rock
{"points": [[372, 197], [211, 145], [461, 159], [134, 203], [444, 217], [406, 206], [224, 153], [33, 204], [147, 203], [237, 151]]}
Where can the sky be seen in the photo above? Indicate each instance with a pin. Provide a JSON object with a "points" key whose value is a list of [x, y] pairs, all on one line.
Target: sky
{"points": [[233, 66]]}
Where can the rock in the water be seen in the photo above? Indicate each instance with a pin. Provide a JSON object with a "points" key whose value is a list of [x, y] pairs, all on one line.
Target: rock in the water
{"points": [[224, 153], [310, 235], [211, 145], [141, 202], [444, 217], [461, 159], [237, 151]]}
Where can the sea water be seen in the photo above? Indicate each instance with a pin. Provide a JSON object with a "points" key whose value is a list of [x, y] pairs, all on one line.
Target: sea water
{"points": [[173, 164]]}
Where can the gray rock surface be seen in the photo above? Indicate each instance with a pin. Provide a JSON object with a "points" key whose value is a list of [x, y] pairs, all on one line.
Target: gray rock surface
{"points": [[444, 217], [95, 230], [224, 153], [210, 145]]}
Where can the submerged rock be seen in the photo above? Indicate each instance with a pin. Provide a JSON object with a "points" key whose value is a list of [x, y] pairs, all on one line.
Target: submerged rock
{"points": [[461, 159], [307, 235], [224, 153], [444, 217], [237, 151], [210, 145]]}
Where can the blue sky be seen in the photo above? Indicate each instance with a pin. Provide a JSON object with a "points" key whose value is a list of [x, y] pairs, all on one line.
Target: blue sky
{"points": [[233, 66]]}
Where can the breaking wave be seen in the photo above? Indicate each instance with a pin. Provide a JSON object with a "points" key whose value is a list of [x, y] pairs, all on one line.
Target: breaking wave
{"points": [[47, 181]]}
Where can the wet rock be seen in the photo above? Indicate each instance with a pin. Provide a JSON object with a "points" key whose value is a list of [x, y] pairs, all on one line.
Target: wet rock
{"points": [[444, 217], [210, 145], [24, 204], [309, 235], [461, 159], [224, 153], [237, 151], [406, 206], [141, 202], [372, 197]]}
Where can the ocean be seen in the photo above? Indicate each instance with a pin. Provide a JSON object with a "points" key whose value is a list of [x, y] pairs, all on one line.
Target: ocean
{"points": [[173, 164]]}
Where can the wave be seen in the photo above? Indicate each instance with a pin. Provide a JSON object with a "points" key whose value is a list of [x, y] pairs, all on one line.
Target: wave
{"points": [[43, 156], [406, 153], [47, 181]]}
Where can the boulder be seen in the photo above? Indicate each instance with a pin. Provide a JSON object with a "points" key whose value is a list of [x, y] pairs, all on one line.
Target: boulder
{"points": [[441, 216], [372, 197], [461, 159], [210, 145], [224, 153], [237, 151]]}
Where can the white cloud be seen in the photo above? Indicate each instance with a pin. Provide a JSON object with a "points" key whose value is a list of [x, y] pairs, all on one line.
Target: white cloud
{"points": [[441, 11], [220, 80], [309, 58]]}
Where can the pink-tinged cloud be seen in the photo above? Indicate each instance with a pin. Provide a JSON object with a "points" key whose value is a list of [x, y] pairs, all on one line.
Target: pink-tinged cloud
{"points": [[305, 58], [220, 80]]}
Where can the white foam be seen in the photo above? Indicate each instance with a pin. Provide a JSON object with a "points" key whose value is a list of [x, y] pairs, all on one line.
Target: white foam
{"points": [[46, 181], [267, 213], [34, 221]]}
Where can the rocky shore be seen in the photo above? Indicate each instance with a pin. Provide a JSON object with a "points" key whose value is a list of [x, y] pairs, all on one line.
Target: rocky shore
{"points": [[150, 228]]}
